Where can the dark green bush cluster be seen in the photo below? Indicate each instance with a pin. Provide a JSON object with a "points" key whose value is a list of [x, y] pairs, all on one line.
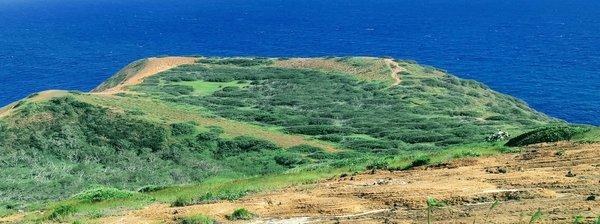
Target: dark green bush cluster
{"points": [[182, 201], [242, 144], [208, 197], [378, 164], [61, 212], [222, 195], [437, 110], [77, 145], [318, 129], [240, 214], [185, 128], [310, 151], [151, 188], [196, 219], [546, 134], [103, 194], [420, 161], [177, 90], [289, 160]]}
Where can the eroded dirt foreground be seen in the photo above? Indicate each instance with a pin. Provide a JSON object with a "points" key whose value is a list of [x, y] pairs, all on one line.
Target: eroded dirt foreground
{"points": [[562, 180]]}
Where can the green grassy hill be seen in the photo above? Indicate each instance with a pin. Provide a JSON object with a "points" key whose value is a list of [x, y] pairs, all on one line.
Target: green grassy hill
{"points": [[188, 133]]}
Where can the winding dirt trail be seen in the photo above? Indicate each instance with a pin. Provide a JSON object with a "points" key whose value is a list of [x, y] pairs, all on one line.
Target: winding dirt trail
{"points": [[151, 67], [524, 182], [396, 70]]}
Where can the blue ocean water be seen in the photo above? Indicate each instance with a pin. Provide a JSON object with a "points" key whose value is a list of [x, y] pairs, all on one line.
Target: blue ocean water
{"points": [[546, 52]]}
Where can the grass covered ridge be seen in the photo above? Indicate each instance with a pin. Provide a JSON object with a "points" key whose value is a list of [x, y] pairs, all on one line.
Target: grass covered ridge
{"points": [[122, 75], [222, 128]]}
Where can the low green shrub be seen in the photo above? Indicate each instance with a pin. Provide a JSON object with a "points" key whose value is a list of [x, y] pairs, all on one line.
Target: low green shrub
{"points": [[61, 212], [420, 161], [185, 128], [366, 145], [242, 144], [223, 195], [311, 151], [331, 137], [466, 153], [289, 160], [151, 188], [305, 148], [182, 201], [317, 129], [196, 219], [240, 214], [102, 194], [578, 219], [378, 164], [546, 134], [177, 90], [229, 195], [7, 209], [8, 205], [208, 136]]}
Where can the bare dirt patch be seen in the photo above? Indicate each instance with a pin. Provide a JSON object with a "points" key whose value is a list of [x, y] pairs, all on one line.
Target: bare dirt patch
{"points": [[5, 111], [12, 218], [530, 182], [151, 67]]}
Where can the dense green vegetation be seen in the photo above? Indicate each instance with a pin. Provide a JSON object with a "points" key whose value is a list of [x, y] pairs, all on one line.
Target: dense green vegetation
{"points": [[426, 111], [70, 146], [240, 214], [196, 219], [223, 128], [547, 134]]}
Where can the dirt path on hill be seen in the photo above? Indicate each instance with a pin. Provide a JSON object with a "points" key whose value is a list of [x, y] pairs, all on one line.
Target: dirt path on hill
{"points": [[396, 70], [5, 111], [152, 67], [522, 183]]}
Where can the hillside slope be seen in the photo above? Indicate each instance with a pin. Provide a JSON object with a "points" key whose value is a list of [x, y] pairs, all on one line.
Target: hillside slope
{"points": [[203, 129]]}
